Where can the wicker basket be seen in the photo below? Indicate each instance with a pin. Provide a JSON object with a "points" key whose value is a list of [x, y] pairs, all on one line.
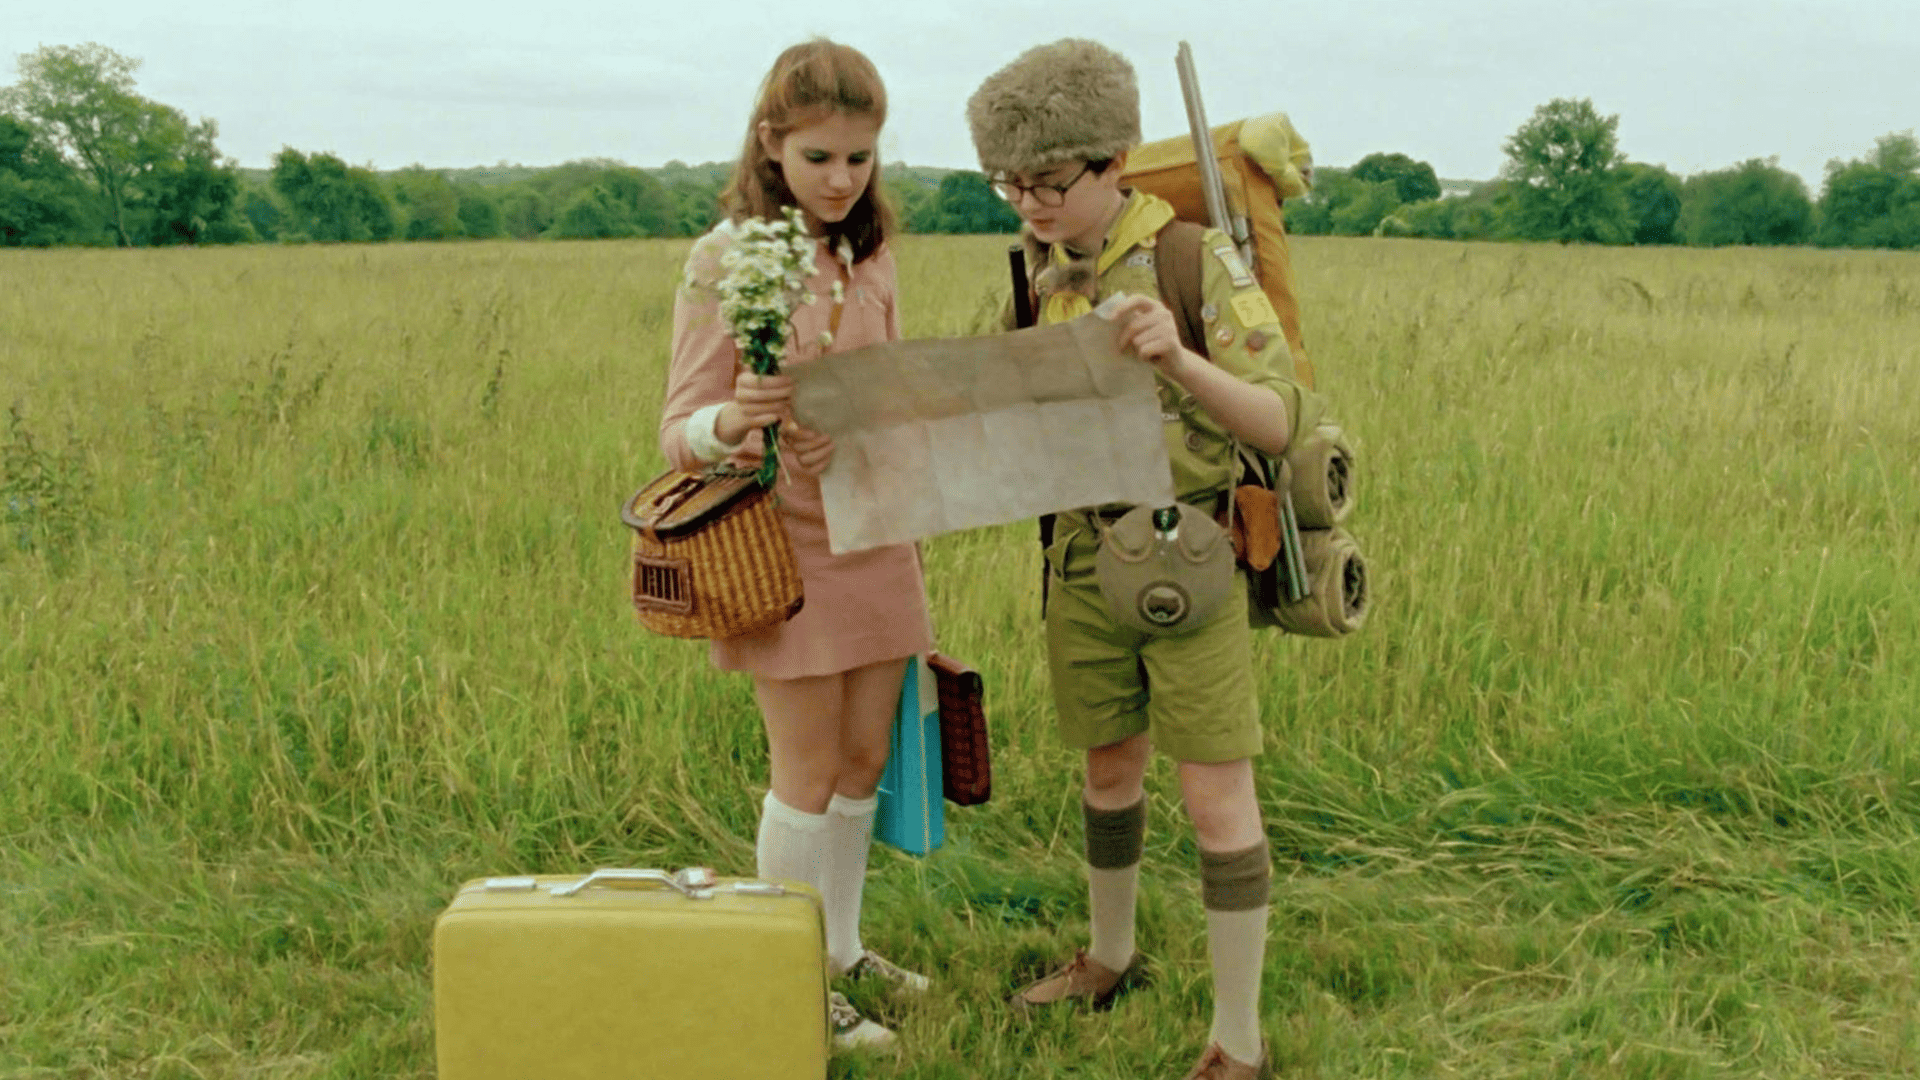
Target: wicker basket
{"points": [[710, 557]]}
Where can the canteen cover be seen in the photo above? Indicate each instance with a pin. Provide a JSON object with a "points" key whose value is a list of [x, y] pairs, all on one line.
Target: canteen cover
{"points": [[1161, 579]]}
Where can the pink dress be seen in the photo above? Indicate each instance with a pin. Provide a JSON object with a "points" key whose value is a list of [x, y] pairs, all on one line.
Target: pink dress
{"points": [[863, 607]]}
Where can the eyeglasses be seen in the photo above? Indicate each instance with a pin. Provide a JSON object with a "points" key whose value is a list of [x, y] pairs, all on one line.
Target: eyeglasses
{"points": [[1048, 195]]}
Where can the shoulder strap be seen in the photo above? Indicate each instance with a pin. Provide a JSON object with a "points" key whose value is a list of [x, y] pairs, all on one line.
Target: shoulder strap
{"points": [[1176, 263], [1176, 268]]}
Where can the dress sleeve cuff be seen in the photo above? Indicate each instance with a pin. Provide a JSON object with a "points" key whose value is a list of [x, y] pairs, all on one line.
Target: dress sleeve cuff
{"points": [[701, 437]]}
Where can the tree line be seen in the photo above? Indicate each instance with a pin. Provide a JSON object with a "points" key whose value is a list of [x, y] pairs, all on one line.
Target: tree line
{"points": [[1566, 179], [86, 160]]}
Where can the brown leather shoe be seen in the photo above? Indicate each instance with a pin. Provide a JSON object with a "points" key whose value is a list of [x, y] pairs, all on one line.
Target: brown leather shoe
{"points": [[1216, 1065], [1081, 979]]}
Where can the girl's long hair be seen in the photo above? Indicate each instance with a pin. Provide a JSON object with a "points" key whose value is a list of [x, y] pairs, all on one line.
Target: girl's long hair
{"points": [[810, 82]]}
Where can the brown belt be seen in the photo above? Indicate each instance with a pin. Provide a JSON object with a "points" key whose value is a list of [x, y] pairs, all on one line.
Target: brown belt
{"points": [[1108, 517]]}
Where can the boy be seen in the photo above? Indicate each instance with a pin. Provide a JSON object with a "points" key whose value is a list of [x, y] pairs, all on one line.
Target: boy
{"points": [[1053, 130]]}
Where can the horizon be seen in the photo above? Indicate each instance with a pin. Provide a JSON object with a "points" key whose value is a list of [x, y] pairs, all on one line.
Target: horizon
{"points": [[1699, 86], [1319, 166]]}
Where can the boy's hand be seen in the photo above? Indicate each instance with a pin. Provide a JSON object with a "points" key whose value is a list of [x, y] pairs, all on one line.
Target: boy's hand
{"points": [[1146, 329]]}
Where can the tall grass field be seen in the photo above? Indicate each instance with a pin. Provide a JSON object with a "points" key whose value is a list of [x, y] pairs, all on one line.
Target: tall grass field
{"points": [[312, 606]]}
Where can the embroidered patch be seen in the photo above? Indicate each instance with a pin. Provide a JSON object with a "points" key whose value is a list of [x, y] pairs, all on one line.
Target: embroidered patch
{"points": [[1236, 269], [1254, 309], [1210, 312], [1141, 259]]}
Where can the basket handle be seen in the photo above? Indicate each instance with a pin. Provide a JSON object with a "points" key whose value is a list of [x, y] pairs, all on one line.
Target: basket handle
{"points": [[674, 497]]}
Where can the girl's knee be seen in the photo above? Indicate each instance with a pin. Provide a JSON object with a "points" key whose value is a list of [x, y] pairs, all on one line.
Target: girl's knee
{"points": [[1221, 803], [805, 781], [860, 770]]}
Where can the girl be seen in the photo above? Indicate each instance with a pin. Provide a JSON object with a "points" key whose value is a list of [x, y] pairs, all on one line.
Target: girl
{"points": [[828, 680]]}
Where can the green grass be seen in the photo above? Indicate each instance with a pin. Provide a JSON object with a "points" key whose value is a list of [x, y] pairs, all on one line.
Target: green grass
{"points": [[311, 608]]}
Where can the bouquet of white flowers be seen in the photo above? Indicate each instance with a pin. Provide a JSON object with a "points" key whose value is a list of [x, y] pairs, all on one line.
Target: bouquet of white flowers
{"points": [[766, 268]]}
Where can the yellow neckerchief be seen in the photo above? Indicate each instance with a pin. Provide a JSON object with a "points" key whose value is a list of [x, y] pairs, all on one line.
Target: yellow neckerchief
{"points": [[1145, 214]]}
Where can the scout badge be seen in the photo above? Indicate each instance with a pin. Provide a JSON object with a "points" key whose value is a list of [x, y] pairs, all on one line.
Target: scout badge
{"points": [[710, 556]]}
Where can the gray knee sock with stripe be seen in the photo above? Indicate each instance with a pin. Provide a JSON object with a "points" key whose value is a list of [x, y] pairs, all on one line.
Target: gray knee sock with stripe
{"points": [[1115, 839], [1234, 887]]}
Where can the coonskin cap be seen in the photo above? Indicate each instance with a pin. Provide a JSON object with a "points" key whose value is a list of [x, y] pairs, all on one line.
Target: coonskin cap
{"points": [[1072, 100]]}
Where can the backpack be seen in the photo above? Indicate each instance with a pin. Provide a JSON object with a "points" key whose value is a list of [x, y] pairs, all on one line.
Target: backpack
{"points": [[1280, 557], [1177, 270], [1178, 273], [1263, 161]]}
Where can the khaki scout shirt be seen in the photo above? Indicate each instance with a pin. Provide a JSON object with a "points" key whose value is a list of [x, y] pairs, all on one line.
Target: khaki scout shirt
{"points": [[1243, 337]]}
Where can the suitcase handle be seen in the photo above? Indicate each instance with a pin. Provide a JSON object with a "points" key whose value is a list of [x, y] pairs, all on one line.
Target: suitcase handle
{"points": [[690, 883]]}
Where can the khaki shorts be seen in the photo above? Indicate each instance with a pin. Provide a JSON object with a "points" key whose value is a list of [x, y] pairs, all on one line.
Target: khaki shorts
{"points": [[1192, 692]]}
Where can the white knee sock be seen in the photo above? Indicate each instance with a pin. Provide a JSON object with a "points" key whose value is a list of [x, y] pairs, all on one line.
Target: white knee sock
{"points": [[850, 832], [792, 845]]}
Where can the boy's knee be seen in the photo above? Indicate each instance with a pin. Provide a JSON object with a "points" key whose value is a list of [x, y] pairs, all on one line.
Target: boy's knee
{"points": [[1212, 820], [1220, 802], [1115, 773]]}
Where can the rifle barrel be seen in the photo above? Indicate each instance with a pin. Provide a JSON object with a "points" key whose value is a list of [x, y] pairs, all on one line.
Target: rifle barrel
{"points": [[1299, 585], [1203, 155]]}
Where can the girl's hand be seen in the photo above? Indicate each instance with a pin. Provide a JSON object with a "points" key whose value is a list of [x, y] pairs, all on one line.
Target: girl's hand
{"points": [[1146, 329], [758, 400], [807, 450]]}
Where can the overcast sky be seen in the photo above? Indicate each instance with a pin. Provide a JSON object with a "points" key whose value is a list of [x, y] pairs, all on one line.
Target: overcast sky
{"points": [[1697, 84]]}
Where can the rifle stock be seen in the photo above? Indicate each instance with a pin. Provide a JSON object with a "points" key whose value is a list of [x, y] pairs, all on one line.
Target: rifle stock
{"points": [[1022, 292]]}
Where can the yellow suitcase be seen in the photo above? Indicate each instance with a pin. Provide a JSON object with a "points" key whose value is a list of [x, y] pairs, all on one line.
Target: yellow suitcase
{"points": [[630, 974]]}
